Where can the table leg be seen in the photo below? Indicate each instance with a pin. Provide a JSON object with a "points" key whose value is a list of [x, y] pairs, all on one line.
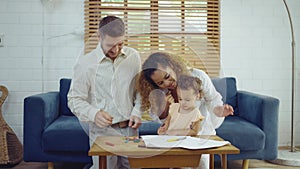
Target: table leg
{"points": [[224, 161], [102, 162], [211, 161], [50, 165]]}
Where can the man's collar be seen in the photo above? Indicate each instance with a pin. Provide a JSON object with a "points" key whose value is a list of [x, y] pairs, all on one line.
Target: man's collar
{"points": [[102, 56], [122, 54], [100, 53]]}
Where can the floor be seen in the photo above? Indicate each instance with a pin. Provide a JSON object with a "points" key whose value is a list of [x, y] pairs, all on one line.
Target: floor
{"points": [[40, 165], [254, 164]]}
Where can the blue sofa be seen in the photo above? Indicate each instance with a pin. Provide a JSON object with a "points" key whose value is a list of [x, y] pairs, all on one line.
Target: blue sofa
{"points": [[53, 134]]}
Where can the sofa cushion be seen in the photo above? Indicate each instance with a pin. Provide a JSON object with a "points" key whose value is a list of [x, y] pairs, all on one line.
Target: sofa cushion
{"points": [[227, 88], [65, 134], [242, 134], [63, 96], [149, 128]]}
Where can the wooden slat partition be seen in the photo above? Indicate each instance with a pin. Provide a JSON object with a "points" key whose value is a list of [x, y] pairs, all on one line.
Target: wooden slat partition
{"points": [[189, 28]]}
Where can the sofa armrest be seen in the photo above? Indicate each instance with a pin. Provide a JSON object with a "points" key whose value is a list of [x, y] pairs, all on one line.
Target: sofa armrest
{"points": [[258, 109], [41, 107], [262, 111], [39, 112]]}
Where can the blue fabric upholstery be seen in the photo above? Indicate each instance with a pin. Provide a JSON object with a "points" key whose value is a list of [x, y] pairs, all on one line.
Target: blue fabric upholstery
{"points": [[56, 139], [227, 88], [258, 122], [235, 127], [51, 135], [149, 128], [63, 92]]}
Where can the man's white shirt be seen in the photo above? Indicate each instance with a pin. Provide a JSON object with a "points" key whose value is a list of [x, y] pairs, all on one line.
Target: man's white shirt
{"points": [[99, 83]]}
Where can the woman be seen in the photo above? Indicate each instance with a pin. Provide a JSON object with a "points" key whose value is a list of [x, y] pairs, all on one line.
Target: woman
{"points": [[160, 72]]}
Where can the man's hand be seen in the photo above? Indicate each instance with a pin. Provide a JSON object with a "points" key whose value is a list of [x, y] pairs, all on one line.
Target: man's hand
{"points": [[134, 122], [103, 119], [223, 111]]}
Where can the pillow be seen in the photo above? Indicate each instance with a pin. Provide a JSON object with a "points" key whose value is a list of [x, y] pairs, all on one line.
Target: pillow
{"points": [[63, 93], [227, 88]]}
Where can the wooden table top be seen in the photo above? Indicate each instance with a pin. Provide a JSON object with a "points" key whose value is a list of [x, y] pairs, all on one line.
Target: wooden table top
{"points": [[116, 145]]}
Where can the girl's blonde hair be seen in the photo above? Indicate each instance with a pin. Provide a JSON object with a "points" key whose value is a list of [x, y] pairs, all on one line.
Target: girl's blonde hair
{"points": [[186, 82]]}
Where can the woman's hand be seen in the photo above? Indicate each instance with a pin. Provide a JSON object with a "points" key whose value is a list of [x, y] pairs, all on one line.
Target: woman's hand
{"points": [[169, 98], [223, 111]]}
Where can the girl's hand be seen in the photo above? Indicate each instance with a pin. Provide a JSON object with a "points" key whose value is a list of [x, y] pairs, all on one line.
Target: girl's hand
{"points": [[223, 111], [228, 110], [162, 129]]}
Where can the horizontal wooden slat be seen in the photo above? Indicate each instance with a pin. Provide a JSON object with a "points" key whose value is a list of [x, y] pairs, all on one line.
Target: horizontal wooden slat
{"points": [[154, 9], [164, 21], [134, 3], [175, 40], [154, 44]]}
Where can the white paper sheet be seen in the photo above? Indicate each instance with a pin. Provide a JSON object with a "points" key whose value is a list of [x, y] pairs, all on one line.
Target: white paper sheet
{"points": [[188, 142]]}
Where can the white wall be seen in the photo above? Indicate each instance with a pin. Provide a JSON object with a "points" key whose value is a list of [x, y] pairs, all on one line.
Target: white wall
{"points": [[36, 32], [255, 48]]}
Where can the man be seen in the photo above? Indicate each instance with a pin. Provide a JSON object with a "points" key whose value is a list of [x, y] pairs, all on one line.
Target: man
{"points": [[102, 90]]}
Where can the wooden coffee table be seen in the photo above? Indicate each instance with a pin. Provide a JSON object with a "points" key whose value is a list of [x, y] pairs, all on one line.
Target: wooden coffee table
{"points": [[141, 157]]}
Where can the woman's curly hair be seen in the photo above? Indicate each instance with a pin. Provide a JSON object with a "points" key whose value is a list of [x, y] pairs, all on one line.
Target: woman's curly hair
{"points": [[145, 85]]}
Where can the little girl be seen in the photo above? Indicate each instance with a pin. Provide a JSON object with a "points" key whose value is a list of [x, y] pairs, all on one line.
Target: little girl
{"points": [[184, 118]]}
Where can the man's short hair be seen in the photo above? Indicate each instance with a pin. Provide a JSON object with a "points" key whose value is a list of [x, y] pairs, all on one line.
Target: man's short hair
{"points": [[112, 26]]}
